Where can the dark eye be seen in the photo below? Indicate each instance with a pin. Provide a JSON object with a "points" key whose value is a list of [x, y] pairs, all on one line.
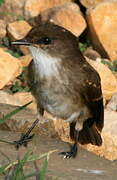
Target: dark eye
{"points": [[45, 40]]}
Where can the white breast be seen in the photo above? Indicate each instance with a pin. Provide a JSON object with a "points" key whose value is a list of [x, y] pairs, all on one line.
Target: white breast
{"points": [[44, 63]]}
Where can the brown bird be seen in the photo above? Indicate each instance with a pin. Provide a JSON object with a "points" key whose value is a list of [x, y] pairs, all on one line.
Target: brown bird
{"points": [[64, 84]]}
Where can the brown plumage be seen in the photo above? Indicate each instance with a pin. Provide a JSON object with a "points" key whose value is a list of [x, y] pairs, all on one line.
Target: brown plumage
{"points": [[64, 84]]}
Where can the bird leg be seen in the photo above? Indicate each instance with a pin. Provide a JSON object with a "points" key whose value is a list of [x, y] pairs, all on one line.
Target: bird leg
{"points": [[74, 147], [26, 137]]}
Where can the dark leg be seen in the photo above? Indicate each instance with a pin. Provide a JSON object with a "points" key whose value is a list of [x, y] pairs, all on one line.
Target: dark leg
{"points": [[74, 148], [25, 138]]}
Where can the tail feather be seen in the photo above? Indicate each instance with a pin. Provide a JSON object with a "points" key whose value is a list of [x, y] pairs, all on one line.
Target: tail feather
{"points": [[89, 134]]}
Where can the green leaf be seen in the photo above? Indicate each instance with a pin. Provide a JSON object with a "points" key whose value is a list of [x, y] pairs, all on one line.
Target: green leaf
{"points": [[15, 54], [9, 115], [1, 2], [2, 169], [42, 173], [18, 170], [29, 159]]}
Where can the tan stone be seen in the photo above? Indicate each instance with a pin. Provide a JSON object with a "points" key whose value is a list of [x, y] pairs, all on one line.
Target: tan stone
{"points": [[90, 3], [18, 99], [25, 97], [67, 16], [108, 80], [109, 135], [24, 49], [34, 7], [18, 29], [91, 54], [2, 29], [25, 60], [12, 10], [102, 21], [10, 68]]}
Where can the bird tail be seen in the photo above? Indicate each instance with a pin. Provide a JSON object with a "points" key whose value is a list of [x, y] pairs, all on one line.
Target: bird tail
{"points": [[90, 135], [87, 135]]}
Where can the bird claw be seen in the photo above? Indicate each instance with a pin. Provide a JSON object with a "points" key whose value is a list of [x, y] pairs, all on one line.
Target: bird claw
{"points": [[67, 155], [70, 154], [24, 139]]}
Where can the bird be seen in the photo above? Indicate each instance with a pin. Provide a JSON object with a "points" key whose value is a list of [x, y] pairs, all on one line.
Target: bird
{"points": [[64, 84]]}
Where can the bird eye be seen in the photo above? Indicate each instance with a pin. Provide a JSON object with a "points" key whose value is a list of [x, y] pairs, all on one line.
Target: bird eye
{"points": [[45, 40]]}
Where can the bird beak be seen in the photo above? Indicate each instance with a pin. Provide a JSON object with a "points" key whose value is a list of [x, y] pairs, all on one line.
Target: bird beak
{"points": [[21, 42]]}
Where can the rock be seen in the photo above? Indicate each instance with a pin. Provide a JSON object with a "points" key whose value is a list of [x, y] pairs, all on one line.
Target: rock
{"points": [[25, 97], [23, 120], [91, 54], [10, 68], [109, 135], [67, 16], [18, 29], [112, 105], [25, 60], [103, 28], [90, 3], [7, 98], [34, 7], [2, 29], [18, 99], [24, 50], [108, 80], [12, 10]]}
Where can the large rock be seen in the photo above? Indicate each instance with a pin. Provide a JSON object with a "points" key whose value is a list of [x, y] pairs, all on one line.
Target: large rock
{"points": [[10, 68], [2, 29], [102, 21], [25, 60], [109, 135], [91, 53], [90, 3], [18, 99], [34, 7], [112, 105], [23, 120], [108, 80], [67, 16], [18, 29], [12, 10]]}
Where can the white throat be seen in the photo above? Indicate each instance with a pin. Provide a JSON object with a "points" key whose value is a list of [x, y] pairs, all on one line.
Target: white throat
{"points": [[44, 63]]}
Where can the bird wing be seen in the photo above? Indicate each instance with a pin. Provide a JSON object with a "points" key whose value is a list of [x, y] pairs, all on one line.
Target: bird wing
{"points": [[94, 99]]}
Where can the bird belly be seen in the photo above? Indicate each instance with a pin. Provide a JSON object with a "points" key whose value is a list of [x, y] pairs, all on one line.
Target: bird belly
{"points": [[63, 107]]}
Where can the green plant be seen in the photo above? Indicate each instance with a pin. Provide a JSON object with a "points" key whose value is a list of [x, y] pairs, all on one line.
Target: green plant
{"points": [[9, 115], [15, 54], [17, 167], [1, 2], [14, 170], [83, 46], [18, 87], [111, 65]]}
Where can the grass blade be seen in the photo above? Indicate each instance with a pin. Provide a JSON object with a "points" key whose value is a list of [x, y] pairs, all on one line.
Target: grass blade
{"points": [[43, 170], [9, 115], [29, 159]]}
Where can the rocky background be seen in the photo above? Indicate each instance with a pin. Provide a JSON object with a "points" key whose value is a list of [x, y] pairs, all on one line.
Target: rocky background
{"points": [[95, 23]]}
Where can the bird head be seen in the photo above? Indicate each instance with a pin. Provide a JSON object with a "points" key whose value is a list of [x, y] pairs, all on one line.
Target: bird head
{"points": [[53, 39]]}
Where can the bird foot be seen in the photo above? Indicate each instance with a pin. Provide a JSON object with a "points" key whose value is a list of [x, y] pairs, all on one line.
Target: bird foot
{"points": [[70, 154], [24, 139]]}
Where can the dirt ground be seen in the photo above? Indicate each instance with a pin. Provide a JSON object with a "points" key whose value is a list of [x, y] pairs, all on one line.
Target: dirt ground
{"points": [[86, 166]]}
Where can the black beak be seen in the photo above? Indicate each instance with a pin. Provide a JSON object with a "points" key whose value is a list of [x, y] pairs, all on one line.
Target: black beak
{"points": [[21, 42]]}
